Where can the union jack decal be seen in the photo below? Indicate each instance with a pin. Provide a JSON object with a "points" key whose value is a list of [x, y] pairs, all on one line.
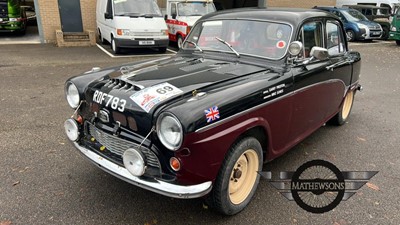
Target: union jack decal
{"points": [[212, 114]]}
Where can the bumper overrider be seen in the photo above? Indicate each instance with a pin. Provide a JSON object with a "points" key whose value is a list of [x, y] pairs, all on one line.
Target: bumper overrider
{"points": [[154, 184]]}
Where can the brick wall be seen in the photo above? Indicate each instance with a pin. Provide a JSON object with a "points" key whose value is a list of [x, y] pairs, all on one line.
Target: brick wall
{"points": [[50, 18]]}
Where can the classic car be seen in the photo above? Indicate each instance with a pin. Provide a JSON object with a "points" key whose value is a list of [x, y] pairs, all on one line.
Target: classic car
{"points": [[247, 86]]}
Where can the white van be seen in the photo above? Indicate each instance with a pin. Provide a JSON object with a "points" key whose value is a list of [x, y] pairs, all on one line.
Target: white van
{"points": [[391, 4], [131, 24]]}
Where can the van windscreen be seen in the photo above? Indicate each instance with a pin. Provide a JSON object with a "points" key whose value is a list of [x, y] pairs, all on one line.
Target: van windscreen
{"points": [[136, 8]]}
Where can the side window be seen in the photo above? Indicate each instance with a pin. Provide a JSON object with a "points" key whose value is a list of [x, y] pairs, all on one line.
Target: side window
{"points": [[383, 11], [173, 9], [311, 35], [335, 41], [109, 7]]}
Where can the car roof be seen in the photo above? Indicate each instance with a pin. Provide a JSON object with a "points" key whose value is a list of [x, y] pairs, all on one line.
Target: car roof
{"points": [[333, 8], [289, 15]]}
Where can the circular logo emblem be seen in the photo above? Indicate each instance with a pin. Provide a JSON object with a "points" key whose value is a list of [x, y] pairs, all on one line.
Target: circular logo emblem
{"points": [[317, 186]]}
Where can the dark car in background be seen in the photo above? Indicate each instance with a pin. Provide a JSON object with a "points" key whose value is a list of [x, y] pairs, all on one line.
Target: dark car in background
{"points": [[246, 87], [376, 14], [357, 26]]}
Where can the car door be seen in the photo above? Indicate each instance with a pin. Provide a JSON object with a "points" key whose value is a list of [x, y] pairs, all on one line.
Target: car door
{"points": [[318, 83]]}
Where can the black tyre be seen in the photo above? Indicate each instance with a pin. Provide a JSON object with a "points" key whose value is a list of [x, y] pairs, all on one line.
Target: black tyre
{"points": [[238, 178], [351, 36], [398, 42], [179, 41], [102, 40], [114, 47], [341, 117], [385, 33]]}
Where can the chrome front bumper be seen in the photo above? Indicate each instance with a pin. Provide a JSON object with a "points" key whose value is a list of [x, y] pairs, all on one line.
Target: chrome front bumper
{"points": [[158, 186]]}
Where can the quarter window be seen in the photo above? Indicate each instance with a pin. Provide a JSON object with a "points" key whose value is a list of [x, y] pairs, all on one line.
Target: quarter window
{"points": [[335, 40]]}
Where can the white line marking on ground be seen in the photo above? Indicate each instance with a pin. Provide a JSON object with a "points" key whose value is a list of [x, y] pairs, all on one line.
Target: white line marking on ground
{"points": [[131, 56]]}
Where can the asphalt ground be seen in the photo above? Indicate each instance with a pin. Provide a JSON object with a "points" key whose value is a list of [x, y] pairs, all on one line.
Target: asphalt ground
{"points": [[44, 180]]}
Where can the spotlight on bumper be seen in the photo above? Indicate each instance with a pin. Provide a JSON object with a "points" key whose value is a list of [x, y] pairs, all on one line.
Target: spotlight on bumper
{"points": [[71, 129], [134, 162]]}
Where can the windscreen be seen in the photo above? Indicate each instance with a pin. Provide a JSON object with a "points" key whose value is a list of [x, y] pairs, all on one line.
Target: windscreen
{"points": [[256, 38], [136, 8], [195, 8], [354, 16]]}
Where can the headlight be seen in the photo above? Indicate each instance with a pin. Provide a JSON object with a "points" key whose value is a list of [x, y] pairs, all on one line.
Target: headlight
{"points": [[169, 131], [123, 32], [134, 162], [362, 26], [393, 29], [71, 129], [72, 94]]}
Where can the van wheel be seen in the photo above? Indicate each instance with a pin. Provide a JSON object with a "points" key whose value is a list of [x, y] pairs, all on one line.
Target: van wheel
{"points": [[398, 42], [102, 40], [341, 117], [180, 41], [351, 36], [238, 178], [114, 47]]}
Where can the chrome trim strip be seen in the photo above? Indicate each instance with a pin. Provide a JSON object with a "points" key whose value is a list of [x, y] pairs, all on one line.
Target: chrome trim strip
{"points": [[210, 126], [158, 186]]}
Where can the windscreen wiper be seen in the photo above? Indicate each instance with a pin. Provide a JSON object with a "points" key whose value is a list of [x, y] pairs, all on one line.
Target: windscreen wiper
{"points": [[195, 45], [229, 45]]}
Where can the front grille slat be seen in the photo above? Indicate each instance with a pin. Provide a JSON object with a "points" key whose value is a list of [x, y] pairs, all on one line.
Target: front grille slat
{"points": [[118, 146]]}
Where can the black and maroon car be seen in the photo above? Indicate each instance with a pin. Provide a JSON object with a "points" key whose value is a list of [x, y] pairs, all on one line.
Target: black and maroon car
{"points": [[247, 86]]}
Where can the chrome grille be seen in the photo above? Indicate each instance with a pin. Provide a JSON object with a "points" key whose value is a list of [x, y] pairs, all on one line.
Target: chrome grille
{"points": [[118, 146]]}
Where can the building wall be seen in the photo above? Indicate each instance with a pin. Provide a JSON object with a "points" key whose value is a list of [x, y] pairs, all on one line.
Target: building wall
{"points": [[50, 18]]}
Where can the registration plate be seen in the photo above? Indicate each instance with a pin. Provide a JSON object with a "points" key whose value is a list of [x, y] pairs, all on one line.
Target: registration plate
{"points": [[376, 33], [146, 42]]}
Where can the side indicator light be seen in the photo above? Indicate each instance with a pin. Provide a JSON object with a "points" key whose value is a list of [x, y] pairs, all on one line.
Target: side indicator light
{"points": [[175, 164]]}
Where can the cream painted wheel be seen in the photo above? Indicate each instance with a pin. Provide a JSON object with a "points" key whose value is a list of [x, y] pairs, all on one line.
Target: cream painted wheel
{"points": [[347, 104], [243, 176], [341, 117], [238, 177]]}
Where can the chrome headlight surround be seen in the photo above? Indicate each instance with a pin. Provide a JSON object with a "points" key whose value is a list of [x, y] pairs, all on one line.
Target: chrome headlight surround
{"points": [[72, 95], [169, 131]]}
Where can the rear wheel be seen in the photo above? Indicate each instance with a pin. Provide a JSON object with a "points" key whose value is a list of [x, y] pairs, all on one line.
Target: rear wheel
{"points": [[179, 41], [238, 178], [341, 117], [115, 48], [398, 42], [351, 36]]}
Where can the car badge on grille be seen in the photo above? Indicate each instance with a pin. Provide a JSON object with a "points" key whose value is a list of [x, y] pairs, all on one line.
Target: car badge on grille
{"points": [[104, 116]]}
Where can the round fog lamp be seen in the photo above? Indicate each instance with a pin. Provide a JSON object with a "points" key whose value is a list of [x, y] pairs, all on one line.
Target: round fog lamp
{"points": [[71, 129], [295, 48], [134, 162]]}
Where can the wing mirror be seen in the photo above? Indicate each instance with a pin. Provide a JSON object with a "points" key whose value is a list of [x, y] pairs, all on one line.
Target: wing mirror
{"points": [[319, 53], [173, 16], [107, 15]]}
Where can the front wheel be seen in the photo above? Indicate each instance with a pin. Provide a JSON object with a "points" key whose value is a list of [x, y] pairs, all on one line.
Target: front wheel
{"points": [[238, 178], [341, 117], [398, 42], [114, 47]]}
